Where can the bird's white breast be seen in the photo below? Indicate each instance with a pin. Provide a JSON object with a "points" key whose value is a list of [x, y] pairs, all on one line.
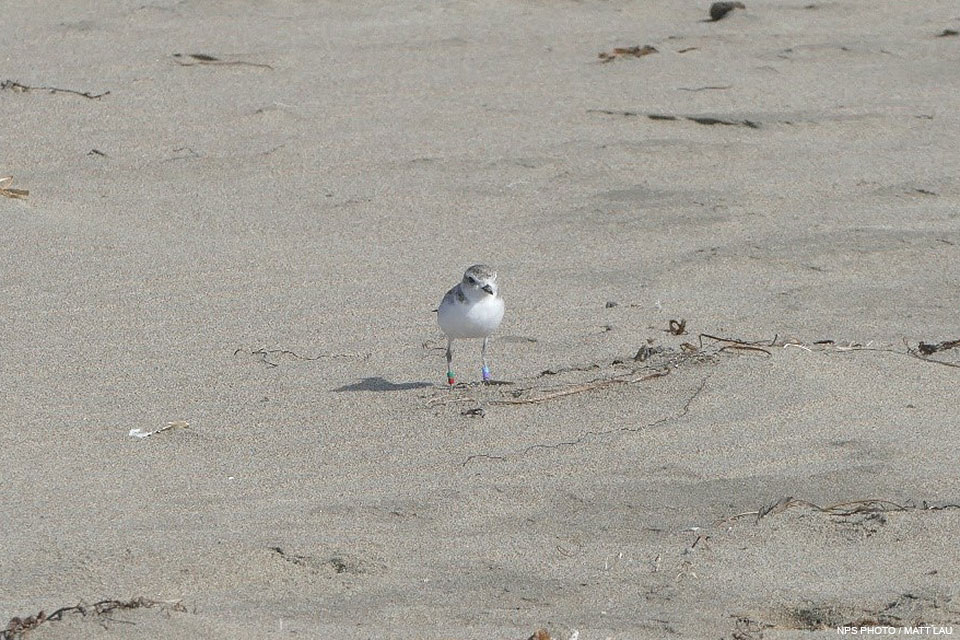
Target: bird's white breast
{"points": [[470, 319]]}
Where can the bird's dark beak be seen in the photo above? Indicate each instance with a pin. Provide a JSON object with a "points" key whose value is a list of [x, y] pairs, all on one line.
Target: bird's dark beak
{"points": [[487, 288]]}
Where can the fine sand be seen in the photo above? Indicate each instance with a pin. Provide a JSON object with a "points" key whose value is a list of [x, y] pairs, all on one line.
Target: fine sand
{"points": [[242, 213]]}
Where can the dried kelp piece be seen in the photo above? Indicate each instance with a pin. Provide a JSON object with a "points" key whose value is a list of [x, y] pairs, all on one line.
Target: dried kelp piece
{"points": [[194, 59], [635, 51], [9, 192], [948, 32], [927, 348], [627, 52], [706, 120], [711, 121], [19, 627], [719, 10], [677, 327], [10, 85], [610, 112]]}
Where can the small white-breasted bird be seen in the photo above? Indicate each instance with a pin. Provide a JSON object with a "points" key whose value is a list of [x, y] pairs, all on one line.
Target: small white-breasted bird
{"points": [[472, 309]]}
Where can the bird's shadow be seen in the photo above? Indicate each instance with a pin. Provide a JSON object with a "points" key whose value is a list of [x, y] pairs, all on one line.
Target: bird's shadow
{"points": [[379, 383]]}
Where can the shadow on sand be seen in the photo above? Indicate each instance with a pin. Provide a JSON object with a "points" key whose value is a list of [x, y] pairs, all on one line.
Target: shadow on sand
{"points": [[381, 384]]}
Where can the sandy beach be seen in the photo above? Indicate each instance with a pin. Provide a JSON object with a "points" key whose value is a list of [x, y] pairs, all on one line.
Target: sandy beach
{"points": [[730, 254]]}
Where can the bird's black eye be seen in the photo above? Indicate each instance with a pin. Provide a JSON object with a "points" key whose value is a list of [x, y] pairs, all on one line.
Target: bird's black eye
{"points": [[471, 280]]}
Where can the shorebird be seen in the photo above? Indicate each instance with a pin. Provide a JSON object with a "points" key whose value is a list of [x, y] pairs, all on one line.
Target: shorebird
{"points": [[471, 309]]}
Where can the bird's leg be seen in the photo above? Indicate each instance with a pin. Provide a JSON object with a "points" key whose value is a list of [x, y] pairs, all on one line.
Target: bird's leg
{"points": [[451, 380], [483, 359]]}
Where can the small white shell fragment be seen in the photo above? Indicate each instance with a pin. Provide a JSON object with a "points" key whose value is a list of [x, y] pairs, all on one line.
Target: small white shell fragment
{"points": [[175, 424]]}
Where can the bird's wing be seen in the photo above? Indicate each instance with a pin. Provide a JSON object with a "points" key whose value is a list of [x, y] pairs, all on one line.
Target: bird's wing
{"points": [[454, 296]]}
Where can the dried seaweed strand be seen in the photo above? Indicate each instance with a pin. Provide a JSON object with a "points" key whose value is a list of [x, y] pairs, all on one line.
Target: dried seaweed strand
{"points": [[205, 59], [23, 88], [870, 505], [580, 388], [18, 627]]}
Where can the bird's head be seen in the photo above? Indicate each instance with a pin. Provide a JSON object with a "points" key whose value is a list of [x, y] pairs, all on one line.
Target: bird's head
{"points": [[480, 281]]}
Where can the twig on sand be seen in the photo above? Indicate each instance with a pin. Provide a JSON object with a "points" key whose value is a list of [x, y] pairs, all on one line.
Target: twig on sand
{"points": [[634, 377], [9, 192], [732, 343], [10, 85], [849, 508]]}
